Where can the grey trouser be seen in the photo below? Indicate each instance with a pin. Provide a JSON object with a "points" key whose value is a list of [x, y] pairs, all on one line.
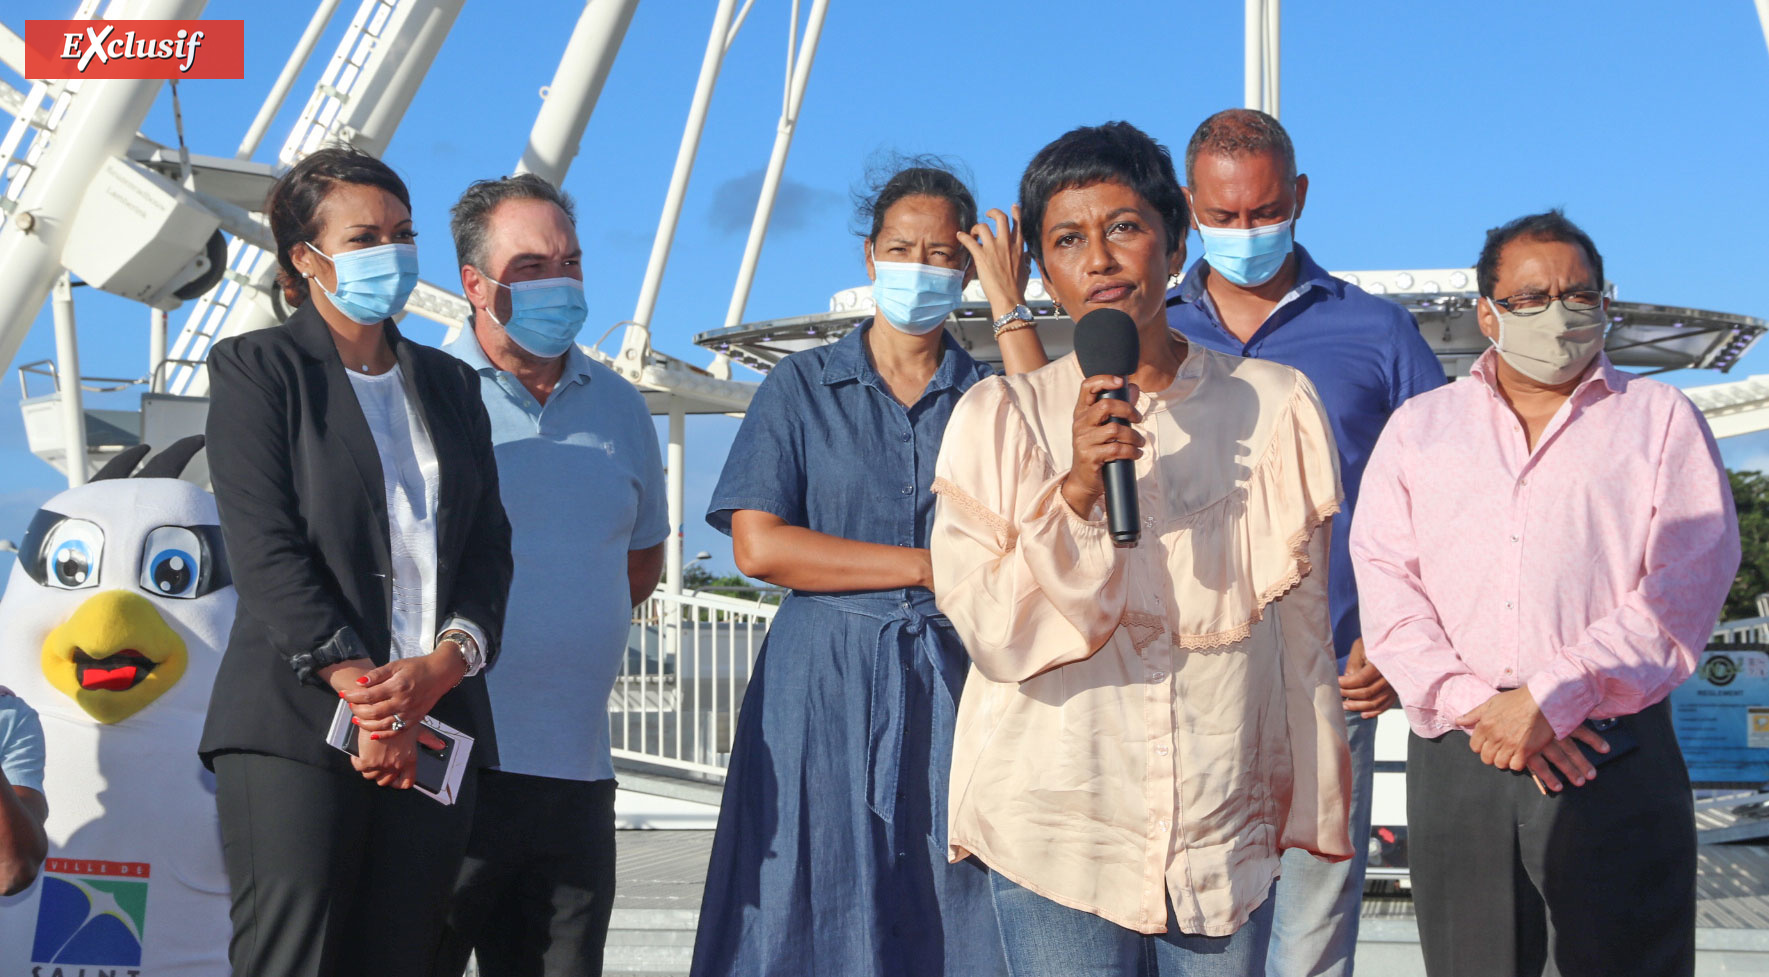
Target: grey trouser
{"points": [[1594, 881]]}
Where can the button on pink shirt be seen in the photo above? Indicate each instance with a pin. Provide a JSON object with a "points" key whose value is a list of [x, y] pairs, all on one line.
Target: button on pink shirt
{"points": [[1590, 572], [1158, 722]]}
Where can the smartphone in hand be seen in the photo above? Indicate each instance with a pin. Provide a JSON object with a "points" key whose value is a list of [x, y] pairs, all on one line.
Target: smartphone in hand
{"points": [[1617, 733], [439, 770]]}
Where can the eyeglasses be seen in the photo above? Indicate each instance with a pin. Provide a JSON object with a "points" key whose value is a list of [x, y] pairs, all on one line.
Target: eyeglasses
{"points": [[1532, 303]]}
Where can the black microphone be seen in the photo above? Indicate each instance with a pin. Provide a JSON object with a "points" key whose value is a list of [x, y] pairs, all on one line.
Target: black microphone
{"points": [[1106, 344]]}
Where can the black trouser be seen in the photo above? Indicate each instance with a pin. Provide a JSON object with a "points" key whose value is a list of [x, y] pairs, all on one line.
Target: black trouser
{"points": [[537, 886], [331, 875], [1596, 880]]}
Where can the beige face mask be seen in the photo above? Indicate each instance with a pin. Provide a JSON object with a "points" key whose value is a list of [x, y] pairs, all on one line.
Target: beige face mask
{"points": [[1552, 346]]}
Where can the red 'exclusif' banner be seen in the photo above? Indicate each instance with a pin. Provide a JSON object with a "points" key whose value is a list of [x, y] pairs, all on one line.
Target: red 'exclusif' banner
{"points": [[172, 49]]}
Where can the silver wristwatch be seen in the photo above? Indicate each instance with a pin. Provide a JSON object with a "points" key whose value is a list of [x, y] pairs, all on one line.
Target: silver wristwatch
{"points": [[1019, 314], [471, 654]]}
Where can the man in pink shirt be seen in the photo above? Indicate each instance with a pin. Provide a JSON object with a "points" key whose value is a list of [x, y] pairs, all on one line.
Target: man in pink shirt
{"points": [[1542, 550]]}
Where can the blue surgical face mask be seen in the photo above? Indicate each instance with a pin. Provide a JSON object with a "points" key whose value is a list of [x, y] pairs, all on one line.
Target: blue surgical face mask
{"points": [[373, 283], [916, 298], [1248, 256], [545, 314]]}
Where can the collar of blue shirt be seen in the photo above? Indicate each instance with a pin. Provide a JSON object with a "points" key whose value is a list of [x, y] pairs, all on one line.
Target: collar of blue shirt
{"points": [[466, 348], [1308, 275], [848, 361]]}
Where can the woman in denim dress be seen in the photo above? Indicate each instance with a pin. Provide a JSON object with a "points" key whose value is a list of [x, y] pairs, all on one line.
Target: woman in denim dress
{"points": [[830, 856]]}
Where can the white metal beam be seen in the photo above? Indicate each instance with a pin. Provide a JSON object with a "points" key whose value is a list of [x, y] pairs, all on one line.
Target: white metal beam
{"points": [[101, 123], [360, 99], [799, 78], [13, 103], [1260, 52], [273, 103], [677, 464], [577, 84], [67, 372], [1253, 55], [12, 51], [156, 350], [637, 339], [414, 33], [1735, 408], [1273, 61]]}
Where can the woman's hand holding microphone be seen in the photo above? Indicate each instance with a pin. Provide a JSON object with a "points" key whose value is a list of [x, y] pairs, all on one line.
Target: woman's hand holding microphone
{"points": [[1098, 440]]}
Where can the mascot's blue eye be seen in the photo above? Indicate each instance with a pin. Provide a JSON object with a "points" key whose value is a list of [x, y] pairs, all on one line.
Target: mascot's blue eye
{"points": [[72, 563], [173, 572], [170, 566], [74, 546]]}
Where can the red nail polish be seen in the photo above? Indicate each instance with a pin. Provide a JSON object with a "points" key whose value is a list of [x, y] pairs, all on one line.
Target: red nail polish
{"points": [[340, 695], [362, 680], [374, 736], [355, 721]]}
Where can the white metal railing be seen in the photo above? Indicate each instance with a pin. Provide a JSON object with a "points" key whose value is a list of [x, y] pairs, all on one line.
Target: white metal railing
{"points": [[1749, 630], [688, 662]]}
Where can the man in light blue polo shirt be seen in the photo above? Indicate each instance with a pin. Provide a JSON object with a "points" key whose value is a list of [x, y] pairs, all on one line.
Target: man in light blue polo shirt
{"points": [[582, 482], [22, 807]]}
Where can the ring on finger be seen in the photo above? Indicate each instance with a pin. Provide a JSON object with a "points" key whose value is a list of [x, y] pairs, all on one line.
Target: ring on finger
{"points": [[398, 723]]}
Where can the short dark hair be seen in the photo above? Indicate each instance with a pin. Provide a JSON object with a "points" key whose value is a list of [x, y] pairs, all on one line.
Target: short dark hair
{"points": [[293, 203], [1240, 132], [1116, 152], [1550, 225], [895, 177], [469, 217]]}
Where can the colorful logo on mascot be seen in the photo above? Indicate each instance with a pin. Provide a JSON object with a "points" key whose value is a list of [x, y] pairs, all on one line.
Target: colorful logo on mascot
{"points": [[91, 913]]}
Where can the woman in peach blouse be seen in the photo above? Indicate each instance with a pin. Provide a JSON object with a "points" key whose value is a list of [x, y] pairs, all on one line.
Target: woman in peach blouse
{"points": [[1144, 729]]}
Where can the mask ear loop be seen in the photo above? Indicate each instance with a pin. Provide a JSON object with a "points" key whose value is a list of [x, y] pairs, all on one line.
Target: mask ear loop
{"points": [[494, 300], [331, 296], [1498, 344]]}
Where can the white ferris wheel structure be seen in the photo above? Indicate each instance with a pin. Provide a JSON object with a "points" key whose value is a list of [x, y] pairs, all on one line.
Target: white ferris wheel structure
{"points": [[86, 197]]}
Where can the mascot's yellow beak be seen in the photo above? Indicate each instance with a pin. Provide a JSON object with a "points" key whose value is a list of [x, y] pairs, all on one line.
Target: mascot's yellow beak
{"points": [[114, 656]]}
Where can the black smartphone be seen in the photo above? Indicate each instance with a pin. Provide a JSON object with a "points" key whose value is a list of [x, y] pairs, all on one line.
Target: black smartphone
{"points": [[433, 764], [1619, 735]]}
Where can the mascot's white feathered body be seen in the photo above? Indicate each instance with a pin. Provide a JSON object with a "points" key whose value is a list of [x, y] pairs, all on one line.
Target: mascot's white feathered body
{"points": [[112, 626]]}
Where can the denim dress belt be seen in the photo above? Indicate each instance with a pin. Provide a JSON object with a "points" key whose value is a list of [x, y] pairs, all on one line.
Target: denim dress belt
{"points": [[909, 650]]}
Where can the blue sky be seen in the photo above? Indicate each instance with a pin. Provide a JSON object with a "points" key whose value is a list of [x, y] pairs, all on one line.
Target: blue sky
{"points": [[1420, 126]]}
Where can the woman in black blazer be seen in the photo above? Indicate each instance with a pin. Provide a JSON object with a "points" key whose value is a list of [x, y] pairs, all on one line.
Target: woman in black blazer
{"points": [[372, 559]]}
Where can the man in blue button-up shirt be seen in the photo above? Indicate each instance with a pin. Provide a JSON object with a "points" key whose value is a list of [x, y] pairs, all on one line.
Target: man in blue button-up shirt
{"points": [[1256, 293], [582, 482]]}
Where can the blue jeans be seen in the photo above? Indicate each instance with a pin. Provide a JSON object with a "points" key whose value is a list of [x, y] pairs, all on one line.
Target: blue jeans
{"points": [[1314, 930], [1045, 939]]}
